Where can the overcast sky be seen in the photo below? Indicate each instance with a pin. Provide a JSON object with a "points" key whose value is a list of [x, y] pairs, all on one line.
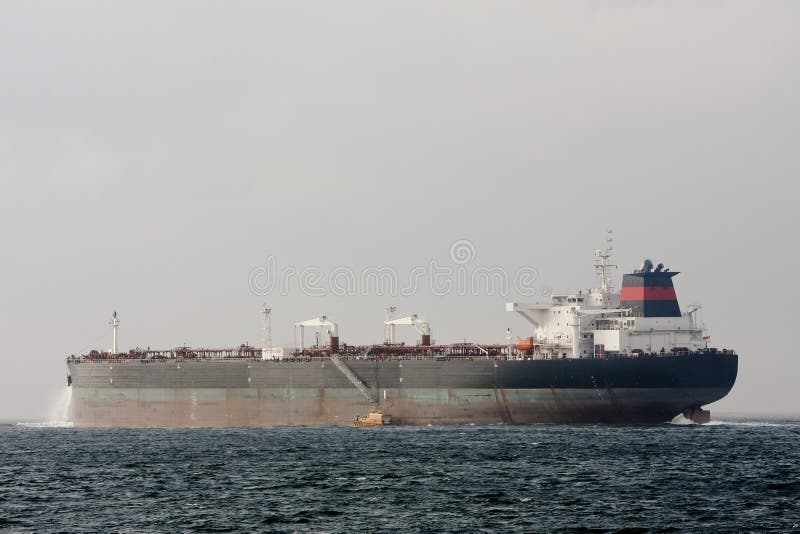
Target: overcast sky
{"points": [[152, 155]]}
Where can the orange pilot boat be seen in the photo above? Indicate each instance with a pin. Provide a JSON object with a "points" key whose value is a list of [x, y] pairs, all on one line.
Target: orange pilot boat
{"points": [[373, 419]]}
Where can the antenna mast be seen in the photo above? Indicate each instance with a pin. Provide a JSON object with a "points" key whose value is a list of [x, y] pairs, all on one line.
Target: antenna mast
{"points": [[603, 263], [266, 312], [114, 324]]}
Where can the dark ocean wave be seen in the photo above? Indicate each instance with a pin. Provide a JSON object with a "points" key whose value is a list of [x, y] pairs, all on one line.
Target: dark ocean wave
{"points": [[734, 475]]}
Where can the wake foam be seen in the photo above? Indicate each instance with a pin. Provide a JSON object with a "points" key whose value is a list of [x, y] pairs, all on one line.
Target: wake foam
{"points": [[749, 423], [683, 420], [48, 424], [60, 413]]}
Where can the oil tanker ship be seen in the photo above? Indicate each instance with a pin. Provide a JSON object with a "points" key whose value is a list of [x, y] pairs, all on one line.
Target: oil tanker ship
{"points": [[592, 356]]}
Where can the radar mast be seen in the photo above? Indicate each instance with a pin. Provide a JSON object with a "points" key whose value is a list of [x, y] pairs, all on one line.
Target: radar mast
{"points": [[603, 263]]}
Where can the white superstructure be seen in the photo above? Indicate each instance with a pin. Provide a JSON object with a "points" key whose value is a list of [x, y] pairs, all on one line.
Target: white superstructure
{"points": [[596, 322]]}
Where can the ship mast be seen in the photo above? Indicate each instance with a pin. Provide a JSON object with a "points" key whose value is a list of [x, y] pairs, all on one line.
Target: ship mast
{"points": [[388, 325], [266, 312], [603, 264], [114, 324]]}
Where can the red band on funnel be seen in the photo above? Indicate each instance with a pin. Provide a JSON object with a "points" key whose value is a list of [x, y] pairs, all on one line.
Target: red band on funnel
{"points": [[647, 293]]}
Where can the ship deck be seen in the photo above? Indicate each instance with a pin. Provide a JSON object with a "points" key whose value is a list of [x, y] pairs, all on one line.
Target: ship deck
{"points": [[461, 351]]}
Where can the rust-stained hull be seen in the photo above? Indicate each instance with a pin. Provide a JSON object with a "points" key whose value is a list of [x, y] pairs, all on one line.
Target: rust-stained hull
{"points": [[415, 392]]}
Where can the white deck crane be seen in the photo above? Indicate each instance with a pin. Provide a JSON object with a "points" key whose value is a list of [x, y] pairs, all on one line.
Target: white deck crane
{"points": [[420, 325], [324, 322]]}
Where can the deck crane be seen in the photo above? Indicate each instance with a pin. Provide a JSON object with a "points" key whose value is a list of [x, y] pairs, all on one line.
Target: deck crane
{"points": [[420, 325], [324, 322]]}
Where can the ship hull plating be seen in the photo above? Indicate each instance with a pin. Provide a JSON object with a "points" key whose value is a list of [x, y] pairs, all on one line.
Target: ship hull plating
{"points": [[415, 392]]}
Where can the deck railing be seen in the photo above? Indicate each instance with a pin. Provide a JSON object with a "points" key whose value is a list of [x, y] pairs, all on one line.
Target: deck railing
{"points": [[381, 357]]}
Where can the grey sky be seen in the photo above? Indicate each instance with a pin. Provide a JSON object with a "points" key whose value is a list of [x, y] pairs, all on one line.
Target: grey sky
{"points": [[153, 154]]}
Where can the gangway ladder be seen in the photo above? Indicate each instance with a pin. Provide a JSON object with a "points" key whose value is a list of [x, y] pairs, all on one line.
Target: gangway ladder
{"points": [[351, 376]]}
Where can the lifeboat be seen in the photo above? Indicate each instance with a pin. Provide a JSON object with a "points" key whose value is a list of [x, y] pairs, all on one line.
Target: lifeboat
{"points": [[526, 345]]}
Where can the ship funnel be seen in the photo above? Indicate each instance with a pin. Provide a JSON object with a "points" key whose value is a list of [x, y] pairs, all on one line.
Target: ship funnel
{"points": [[650, 293]]}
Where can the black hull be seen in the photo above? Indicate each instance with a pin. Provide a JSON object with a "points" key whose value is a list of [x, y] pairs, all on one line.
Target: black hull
{"points": [[415, 392]]}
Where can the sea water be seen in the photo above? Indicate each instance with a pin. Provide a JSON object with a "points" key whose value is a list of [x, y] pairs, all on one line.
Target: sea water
{"points": [[737, 474]]}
